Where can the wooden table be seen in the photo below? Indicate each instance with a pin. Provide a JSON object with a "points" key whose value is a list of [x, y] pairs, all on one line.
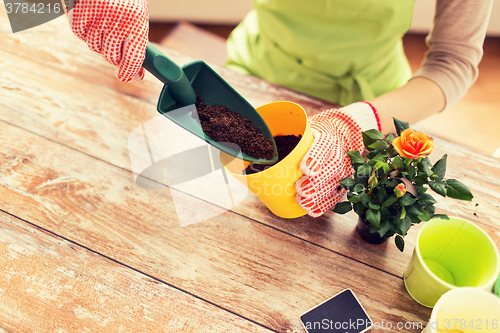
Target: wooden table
{"points": [[84, 249]]}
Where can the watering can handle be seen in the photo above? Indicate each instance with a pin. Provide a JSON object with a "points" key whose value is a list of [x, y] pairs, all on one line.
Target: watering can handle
{"points": [[171, 74]]}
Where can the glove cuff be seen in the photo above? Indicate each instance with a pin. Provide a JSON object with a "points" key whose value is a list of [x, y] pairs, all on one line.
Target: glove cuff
{"points": [[365, 115]]}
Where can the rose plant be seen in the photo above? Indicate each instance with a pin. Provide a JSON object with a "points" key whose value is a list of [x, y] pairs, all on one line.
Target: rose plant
{"points": [[388, 186]]}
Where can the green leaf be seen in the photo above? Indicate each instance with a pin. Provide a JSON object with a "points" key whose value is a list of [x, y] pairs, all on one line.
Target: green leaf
{"points": [[359, 208], [430, 210], [407, 199], [391, 150], [412, 211], [373, 217], [367, 140], [400, 243], [426, 199], [426, 170], [348, 183], [442, 216], [364, 171], [374, 134], [342, 207], [378, 165], [438, 187], [373, 206], [457, 190], [379, 145], [380, 156], [400, 125], [405, 225], [353, 198], [385, 226], [424, 216], [392, 199], [399, 163], [365, 199], [426, 161], [439, 168], [389, 138], [412, 172], [381, 195], [355, 157], [403, 213], [426, 166], [385, 167], [421, 189], [358, 188], [421, 179], [371, 155]]}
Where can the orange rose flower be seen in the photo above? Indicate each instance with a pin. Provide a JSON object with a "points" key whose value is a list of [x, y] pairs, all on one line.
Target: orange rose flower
{"points": [[413, 144]]}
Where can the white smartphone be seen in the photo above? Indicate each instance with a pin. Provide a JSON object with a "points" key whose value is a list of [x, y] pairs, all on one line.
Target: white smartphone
{"points": [[342, 313]]}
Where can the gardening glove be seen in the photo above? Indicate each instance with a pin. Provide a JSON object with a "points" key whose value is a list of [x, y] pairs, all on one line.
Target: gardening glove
{"points": [[326, 163], [117, 29]]}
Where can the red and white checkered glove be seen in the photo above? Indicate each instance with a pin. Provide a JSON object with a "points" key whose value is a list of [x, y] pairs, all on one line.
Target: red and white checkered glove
{"points": [[335, 131], [117, 29]]}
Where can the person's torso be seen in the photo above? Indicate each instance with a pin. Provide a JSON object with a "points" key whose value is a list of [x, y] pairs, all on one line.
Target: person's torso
{"points": [[337, 50], [336, 36]]}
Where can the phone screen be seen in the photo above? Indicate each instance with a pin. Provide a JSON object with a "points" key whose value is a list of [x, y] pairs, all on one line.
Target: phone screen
{"points": [[340, 313]]}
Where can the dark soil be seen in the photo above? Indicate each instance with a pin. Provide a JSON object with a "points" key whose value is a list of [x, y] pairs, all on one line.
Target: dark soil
{"points": [[285, 145], [223, 125]]}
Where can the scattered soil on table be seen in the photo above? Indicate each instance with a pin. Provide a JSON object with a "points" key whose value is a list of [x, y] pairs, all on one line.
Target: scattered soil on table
{"points": [[224, 125], [285, 145]]}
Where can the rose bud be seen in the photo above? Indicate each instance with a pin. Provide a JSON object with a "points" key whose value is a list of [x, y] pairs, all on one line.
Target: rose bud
{"points": [[400, 190], [373, 181]]}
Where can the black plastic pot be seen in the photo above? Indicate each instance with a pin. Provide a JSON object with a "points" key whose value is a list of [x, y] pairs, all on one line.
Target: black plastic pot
{"points": [[364, 232]]}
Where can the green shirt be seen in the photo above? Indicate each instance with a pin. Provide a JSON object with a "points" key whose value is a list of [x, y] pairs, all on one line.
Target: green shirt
{"points": [[338, 50]]}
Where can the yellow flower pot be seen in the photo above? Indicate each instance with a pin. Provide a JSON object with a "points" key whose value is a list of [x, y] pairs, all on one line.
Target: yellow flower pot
{"points": [[275, 185]]}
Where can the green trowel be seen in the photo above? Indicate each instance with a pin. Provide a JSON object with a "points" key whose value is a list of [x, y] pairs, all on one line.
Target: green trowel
{"points": [[177, 99]]}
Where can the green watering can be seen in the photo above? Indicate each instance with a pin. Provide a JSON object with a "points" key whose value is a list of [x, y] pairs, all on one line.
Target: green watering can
{"points": [[177, 98]]}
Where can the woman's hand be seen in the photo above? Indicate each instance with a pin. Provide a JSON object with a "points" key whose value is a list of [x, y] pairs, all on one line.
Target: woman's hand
{"points": [[326, 163], [117, 29]]}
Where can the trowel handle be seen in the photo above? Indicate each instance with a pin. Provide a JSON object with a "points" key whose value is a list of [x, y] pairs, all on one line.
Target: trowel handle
{"points": [[171, 74]]}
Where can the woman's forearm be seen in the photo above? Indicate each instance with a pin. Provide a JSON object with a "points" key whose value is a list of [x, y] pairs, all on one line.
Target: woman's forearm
{"points": [[418, 99]]}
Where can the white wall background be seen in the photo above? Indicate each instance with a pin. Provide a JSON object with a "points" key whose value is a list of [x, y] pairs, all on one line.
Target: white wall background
{"points": [[199, 11], [233, 11]]}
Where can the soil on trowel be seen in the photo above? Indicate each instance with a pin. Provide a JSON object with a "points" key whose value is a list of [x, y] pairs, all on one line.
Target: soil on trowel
{"points": [[224, 125], [285, 145]]}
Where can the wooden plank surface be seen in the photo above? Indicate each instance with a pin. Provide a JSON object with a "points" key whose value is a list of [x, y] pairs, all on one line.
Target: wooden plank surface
{"points": [[66, 183], [50, 284], [193, 41], [214, 260]]}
